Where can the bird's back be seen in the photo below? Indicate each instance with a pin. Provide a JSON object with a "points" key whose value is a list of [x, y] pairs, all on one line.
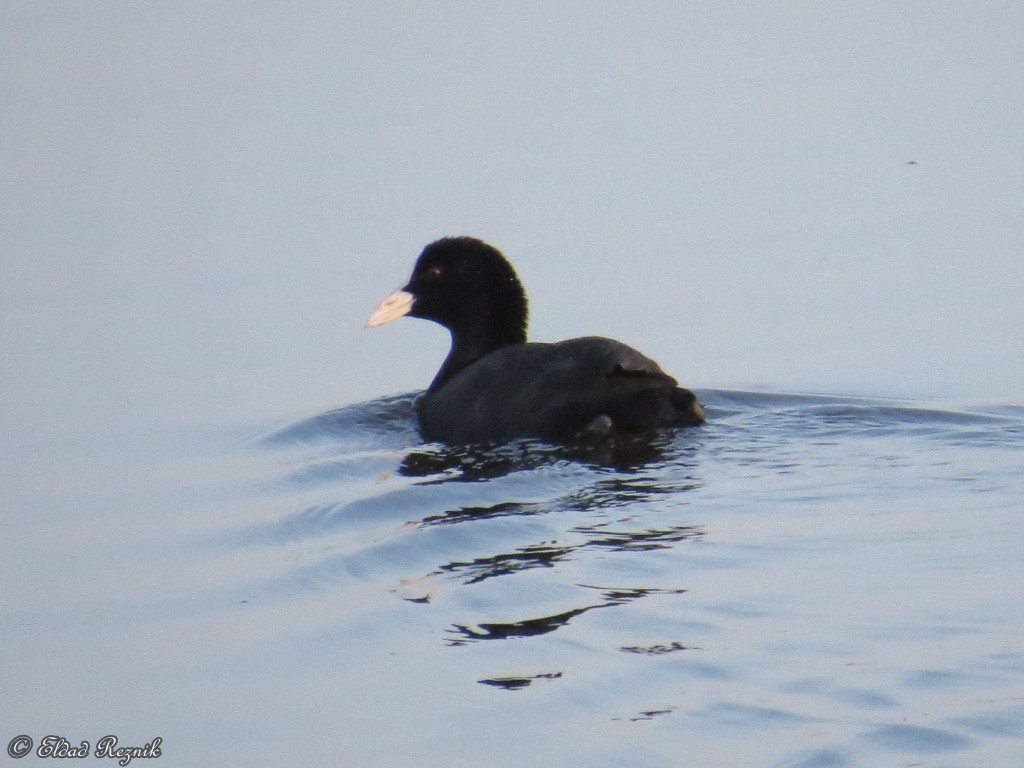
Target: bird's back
{"points": [[555, 391]]}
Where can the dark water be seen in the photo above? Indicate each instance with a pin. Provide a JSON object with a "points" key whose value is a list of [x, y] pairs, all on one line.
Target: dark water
{"points": [[806, 581]]}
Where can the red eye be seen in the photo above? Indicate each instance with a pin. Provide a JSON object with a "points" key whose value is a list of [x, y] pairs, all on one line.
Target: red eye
{"points": [[433, 272]]}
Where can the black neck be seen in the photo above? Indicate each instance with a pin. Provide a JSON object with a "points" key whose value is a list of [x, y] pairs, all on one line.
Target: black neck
{"points": [[470, 346]]}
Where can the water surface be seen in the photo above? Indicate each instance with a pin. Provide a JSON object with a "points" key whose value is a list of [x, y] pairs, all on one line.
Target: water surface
{"points": [[807, 580], [202, 205]]}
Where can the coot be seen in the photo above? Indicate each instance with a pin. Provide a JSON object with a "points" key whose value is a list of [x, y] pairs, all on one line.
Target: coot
{"points": [[494, 386]]}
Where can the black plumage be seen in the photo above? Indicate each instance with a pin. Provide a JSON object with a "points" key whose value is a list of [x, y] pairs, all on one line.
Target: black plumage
{"points": [[495, 387]]}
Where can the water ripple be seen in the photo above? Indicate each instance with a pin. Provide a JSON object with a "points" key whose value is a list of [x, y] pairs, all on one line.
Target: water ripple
{"points": [[820, 567]]}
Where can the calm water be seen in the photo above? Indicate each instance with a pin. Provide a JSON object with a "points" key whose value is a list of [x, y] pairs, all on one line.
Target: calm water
{"points": [[806, 581], [814, 581], [200, 208]]}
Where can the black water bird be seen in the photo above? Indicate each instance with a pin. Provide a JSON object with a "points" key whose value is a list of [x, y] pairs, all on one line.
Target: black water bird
{"points": [[494, 386]]}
